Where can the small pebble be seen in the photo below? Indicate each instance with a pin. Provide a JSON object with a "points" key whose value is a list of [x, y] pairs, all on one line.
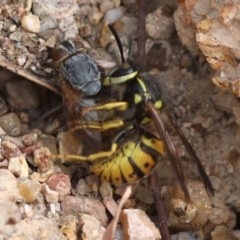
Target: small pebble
{"points": [[183, 215], [10, 150], [11, 124], [18, 166], [69, 227], [159, 25], [222, 233], [31, 23], [27, 210], [82, 188], [3, 106], [35, 227], [137, 225], [61, 184], [78, 205], [4, 164], [42, 159], [106, 5], [95, 15], [30, 139], [29, 189], [8, 190], [15, 140], [90, 226], [50, 196], [22, 94], [105, 189], [113, 15], [9, 213]]}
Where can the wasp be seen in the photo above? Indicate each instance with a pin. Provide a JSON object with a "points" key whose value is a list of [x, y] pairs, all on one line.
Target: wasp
{"points": [[134, 151], [144, 102], [93, 110]]}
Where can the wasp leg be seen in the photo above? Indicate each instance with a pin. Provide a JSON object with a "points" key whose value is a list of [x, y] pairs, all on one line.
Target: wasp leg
{"points": [[100, 127], [92, 157], [121, 106]]}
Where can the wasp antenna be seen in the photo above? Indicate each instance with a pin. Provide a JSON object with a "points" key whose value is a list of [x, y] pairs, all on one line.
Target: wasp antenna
{"points": [[193, 155], [118, 42]]}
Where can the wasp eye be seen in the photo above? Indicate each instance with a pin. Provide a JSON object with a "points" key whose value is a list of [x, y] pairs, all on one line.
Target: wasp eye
{"points": [[78, 45], [59, 54]]}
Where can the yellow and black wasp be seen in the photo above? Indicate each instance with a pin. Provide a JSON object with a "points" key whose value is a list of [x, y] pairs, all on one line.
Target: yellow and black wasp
{"points": [[143, 100], [134, 151]]}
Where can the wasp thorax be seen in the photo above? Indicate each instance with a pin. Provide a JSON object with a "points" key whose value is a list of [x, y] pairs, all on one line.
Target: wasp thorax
{"points": [[124, 70]]}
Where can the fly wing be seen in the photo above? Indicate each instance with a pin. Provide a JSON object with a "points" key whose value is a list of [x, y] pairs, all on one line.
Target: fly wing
{"points": [[74, 102]]}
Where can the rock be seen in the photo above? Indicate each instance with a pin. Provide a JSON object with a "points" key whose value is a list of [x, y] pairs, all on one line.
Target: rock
{"points": [[27, 210], [213, 29], [42, 159], [91, 228], [106, 5], [159, 25], [29, 189], [61, 184], [9, 214], [31, 23], [95, 15], [79, 205], [3, 106], [82, 189], [183, 215], [50, 195], [30, 139], [10, 150], [11, 124], [63, 14], [105, 190], [35, 227], [69, 227], [222, 233], [18, 166], [8, 190], [113, 14], [136, 225], [22, 95], [15, 140], [224, 101]]}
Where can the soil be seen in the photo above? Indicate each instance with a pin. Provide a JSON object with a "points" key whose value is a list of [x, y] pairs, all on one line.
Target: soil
{"points": [[203, 111]]}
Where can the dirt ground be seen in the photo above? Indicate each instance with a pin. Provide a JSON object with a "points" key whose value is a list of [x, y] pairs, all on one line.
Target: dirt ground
{"points": [[202, 110]]}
